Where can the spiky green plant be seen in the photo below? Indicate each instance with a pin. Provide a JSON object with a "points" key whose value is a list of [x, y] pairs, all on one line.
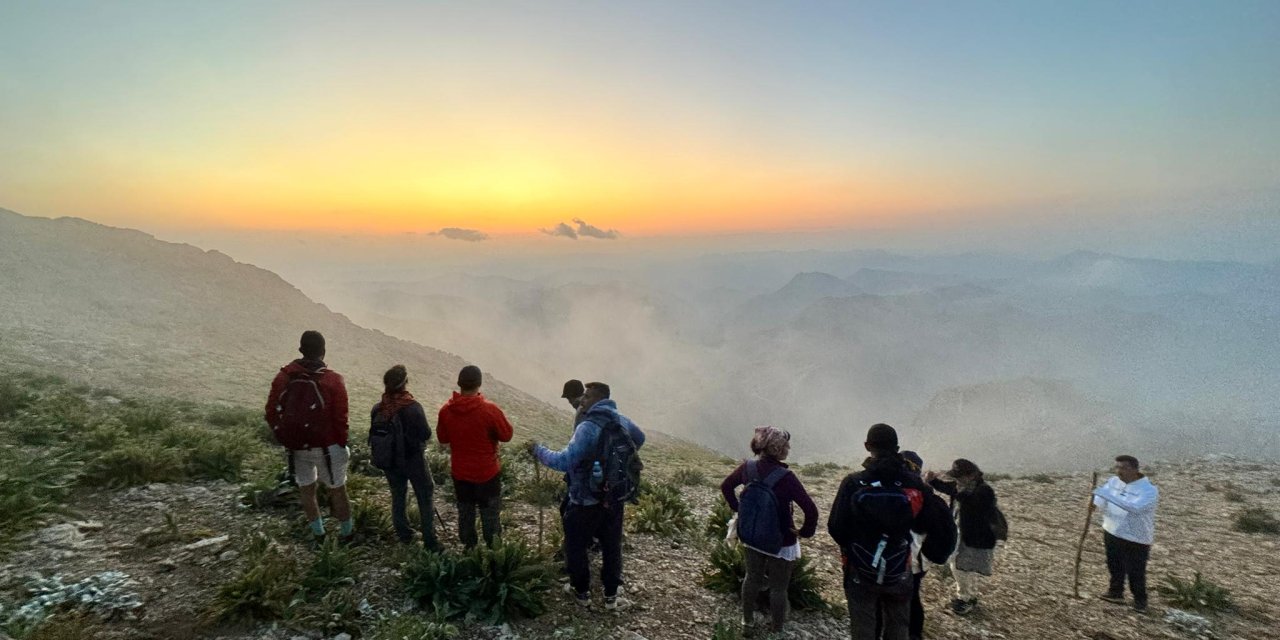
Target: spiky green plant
{"points": [[1199, 594], [489, 584], [135, 463], [410, 626], [33, 486], [661, 510], [727, 568], [332, 568], [689, 477], [718, 522], [262, 590]]}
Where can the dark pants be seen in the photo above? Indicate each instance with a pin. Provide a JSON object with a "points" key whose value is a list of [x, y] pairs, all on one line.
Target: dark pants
{"points": [[915, 628], [423, 489], [581, 524], [892, 605], [767, 572], [1127, 559], [485, 497]]}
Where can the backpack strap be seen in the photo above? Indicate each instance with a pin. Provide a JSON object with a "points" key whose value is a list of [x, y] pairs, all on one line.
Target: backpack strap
{"points": [[776, 477], [753, 473]]}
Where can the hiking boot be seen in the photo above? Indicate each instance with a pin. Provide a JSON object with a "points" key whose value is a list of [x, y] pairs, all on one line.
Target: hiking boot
{"points": [[1140, 608], [616, 603], [1113, 598], [583, 599], [963, 607]]}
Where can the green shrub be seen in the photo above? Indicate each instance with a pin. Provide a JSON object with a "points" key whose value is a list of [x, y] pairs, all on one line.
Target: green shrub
{"points": [[1256, 520], [134, 464], [489, 584], [661, 510], [13, 398], [996, 477], [408, 626], [147, 419], [1233, 495], [727, 568], [333, 567], [438, 465], [371, 518], [689, 478], [819, 469], [727, 629], [1198, 594], [337, 611], [231, 416], [718, 522], [1041, 478], [262, 590], [33, 485], [542, 492]]}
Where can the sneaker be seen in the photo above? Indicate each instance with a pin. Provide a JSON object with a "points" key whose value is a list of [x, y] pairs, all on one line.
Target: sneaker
{"points": [[584, 599], [1112, 598], [616, 603], [1140, 608], [963, 607]]}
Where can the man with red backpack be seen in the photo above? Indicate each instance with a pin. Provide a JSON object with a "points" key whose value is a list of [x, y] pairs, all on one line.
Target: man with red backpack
{"points": [[872, 518], [307, 412]]}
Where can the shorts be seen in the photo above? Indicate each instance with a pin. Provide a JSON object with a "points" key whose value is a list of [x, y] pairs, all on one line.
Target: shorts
{"points": [[308, 465]]}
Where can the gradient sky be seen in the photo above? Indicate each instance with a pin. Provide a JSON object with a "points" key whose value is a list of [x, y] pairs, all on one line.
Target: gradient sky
{"points": [[652, 118]]}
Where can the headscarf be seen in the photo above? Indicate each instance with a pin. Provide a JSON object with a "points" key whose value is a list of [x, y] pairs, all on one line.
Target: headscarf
{"points": [[771, 442]]}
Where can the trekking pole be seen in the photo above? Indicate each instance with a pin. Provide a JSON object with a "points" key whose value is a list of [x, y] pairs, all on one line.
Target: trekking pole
{"points": [[443, 525], [1088, 519], [542, 509]]}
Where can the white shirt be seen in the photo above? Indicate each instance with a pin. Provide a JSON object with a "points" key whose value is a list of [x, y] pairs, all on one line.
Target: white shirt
{"points": [[1128, 510]]}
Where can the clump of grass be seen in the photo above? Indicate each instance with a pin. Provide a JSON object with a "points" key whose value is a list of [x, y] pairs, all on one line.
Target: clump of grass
{"points": [[1233, 495], [1210, 487], [689, 477], [337, 611], [231, 416], [727, 568], [727, 629], [718, 522], [1199, 594], [996, 477], [13, 398], [409, 626], [1256, 520], [147, 419], [1041, 478], [819, 469], [371, 518], [661, 510], [332, 568], [135, 463], [33, 486], [210, 454], [490, 584], [262, 590]]}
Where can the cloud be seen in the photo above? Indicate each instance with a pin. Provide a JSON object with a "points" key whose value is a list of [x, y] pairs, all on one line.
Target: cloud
{"points": [[591, 231], [468, 235], [562, 230]]}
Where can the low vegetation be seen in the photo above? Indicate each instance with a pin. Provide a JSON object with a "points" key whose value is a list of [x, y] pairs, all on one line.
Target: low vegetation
{"points": [[493, 585], [1198, 594], [820, 469], [688, 477], [661, 510], [718, 522], [1256, 520], [727, 568]]}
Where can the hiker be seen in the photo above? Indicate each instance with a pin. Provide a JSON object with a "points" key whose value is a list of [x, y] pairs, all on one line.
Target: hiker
{"points": [[473, 427], [398, 435], [603, 463], [940, 544], [307, 412], [1128, 501], [766, 525], [573, 391], [872, 518], [973, 502]]}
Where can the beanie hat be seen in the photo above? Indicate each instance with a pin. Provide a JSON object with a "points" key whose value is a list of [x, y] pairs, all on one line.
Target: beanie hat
{"points": [[913, 458], [573, 389], [882, 437], [470, 377]]}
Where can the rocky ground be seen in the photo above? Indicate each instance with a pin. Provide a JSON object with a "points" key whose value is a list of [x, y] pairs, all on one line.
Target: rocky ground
{"points": [[173, 574]]}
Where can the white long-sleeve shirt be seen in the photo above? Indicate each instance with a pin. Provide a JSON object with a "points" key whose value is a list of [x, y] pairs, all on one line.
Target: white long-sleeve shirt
{"points": [[1128, 510]]}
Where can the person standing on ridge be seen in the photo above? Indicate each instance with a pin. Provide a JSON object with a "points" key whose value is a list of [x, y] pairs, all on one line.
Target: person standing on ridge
{"points": [[766, 524], [603, 463], [973, 502], [872, 518], [573, 392], [398, 434], [473, 427], [307, 411], [1128, 501]]}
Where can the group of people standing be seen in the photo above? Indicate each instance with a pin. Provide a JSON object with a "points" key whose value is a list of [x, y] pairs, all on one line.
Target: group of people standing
{"points": [[889, 520]]}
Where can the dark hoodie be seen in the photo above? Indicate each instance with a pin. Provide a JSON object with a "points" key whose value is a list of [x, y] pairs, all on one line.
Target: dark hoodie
{"points": [[332, 390], [933, 522], [473, 427]]}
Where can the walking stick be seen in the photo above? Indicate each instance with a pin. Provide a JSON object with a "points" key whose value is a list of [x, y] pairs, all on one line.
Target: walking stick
{"points": [[542, 509], [1088, 519], [443, 525]]}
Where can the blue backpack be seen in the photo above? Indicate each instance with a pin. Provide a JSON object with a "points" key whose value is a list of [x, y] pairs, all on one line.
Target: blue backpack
{"points": [[759, 514]]}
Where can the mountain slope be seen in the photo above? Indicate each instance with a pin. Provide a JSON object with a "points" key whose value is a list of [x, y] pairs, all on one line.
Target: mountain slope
{"points": [[118, 308]]}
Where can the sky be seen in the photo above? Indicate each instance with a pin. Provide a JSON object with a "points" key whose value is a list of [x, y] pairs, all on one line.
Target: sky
{"points": [[640, 119]]}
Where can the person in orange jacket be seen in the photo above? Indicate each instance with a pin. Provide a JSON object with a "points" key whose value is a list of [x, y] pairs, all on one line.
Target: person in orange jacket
{"points": [[472, 427]]}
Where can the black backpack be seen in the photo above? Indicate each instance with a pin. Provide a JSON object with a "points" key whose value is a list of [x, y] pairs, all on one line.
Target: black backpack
{"points": [[759, 514], [387, 450], [620, 463], [880, 553], [999, 526]]}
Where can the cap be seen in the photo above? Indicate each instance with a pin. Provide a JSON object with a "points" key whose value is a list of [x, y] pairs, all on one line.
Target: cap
{"points": [[573, 389]]}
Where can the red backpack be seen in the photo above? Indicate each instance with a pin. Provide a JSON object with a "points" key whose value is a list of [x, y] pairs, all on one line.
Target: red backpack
{"points": [[301, 419]]}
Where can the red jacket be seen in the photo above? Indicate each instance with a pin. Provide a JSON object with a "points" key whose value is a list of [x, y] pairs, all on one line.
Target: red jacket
{"points": [[332, 389], [473, 427]]}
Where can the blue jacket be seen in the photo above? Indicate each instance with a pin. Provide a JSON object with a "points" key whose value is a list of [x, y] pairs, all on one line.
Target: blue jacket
{"points": [[576, 456]]}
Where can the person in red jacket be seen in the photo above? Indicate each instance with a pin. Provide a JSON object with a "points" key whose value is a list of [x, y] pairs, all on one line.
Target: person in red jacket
{"points": [[307, 411], [473, 427]]}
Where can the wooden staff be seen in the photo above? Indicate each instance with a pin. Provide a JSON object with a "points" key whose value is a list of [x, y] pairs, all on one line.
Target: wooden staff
{"points": [[1088, 519], [542, 509]]}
